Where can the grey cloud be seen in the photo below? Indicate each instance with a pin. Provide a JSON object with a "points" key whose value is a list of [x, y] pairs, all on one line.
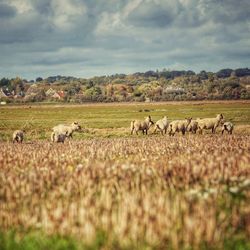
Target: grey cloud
{"points": [[229, 11], [151, 15], [204, 34], [6, 11]]}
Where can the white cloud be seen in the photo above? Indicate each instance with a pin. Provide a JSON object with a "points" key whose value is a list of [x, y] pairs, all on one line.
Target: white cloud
{"points": [[66, 12], [115, 23], [22, 6]]}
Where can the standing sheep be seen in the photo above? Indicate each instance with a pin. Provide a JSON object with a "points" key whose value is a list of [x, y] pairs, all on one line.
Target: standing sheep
{"points": [[193, 126], [144, 126], [179, 126], [66, 130], [18, 136], [162, 125], [228, 126], [210, 123]]}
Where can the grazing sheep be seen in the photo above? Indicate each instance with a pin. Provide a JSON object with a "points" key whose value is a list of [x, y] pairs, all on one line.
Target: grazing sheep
{"points": [[18, 136], [144, 126], [55, 137], [67, 129], [162, 125], [210, 123], [193, 126], [179, 126], [228, 126]]}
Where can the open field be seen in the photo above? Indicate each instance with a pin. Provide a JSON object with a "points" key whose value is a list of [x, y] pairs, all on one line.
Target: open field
{"points": [[113, 120], [124, 192]]}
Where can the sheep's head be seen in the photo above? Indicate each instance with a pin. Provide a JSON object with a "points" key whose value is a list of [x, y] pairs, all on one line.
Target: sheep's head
{"points": [[149, 120], [188, 119], [164, 118], [76, 126], [220, 117]]}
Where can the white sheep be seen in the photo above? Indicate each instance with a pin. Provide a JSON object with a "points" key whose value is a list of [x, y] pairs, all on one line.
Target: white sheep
{"points": [[193, 126], [210, 123], [66, 129], [18, 136], [162, 125], [228, 126], [144, 126], [179, 126]]}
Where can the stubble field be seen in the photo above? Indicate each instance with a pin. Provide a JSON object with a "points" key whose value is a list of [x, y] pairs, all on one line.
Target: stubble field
{"points": [[124, 192]]}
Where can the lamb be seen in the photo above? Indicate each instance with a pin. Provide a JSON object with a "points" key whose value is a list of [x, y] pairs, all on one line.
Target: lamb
{"points": [[66, 130], [193, 126], [162, 125], [144, 126], [18, 136], [228, 126], [179, 126], [210, 123], [55, 137]]}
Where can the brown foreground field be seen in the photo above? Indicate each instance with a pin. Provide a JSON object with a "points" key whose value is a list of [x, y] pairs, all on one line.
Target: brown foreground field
{"points": [[106, 189], [155, 192]]}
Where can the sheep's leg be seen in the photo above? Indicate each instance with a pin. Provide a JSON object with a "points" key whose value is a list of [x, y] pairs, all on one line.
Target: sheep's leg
{"points": [[53, 137], [170, 131], [173, 133]]}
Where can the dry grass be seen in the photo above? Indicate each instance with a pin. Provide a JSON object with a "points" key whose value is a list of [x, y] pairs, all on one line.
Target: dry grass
{"points": [[176, 192]]}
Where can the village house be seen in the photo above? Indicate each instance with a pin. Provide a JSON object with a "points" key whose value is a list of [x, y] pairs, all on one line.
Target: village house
{"points": [[50, 92], [5, 93], [59, 95]]}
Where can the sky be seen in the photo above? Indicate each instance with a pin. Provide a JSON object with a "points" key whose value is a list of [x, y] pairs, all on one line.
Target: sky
{"points": [[85, 38]]}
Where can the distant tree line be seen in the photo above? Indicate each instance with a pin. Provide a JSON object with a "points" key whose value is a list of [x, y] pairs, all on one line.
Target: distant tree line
{"points": [[164, 85]]}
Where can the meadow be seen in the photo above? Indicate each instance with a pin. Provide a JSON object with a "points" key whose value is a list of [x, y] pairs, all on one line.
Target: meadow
{"points": [[106, 189], [112, 120]]}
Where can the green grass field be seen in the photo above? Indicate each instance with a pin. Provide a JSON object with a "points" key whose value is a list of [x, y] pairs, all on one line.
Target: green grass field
{"points": [[111, 120]]}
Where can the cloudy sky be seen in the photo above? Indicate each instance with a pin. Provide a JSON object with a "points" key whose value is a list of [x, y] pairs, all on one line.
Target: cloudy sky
{"points": [[85, 38]]}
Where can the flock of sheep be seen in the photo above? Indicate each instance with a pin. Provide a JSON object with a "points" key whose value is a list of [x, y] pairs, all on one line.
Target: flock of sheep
{"points": [[62, 131], [186, 125]]}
